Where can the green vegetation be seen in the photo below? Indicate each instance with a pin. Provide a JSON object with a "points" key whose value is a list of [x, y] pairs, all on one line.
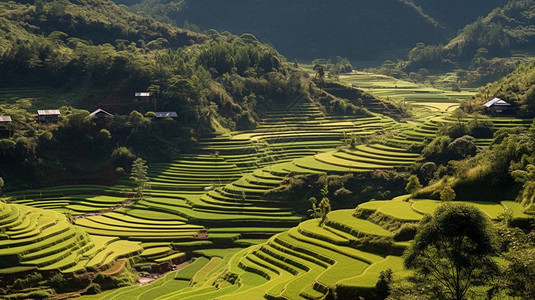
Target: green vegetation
{"points": [[451, 247], [138, 175], [225, 204]]}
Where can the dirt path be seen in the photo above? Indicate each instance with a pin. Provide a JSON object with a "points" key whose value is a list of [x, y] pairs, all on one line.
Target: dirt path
{"points": [[147, 277], [113, 208]]}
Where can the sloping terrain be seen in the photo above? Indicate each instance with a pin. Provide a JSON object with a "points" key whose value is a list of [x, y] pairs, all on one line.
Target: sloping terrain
{"points": [[359, 30]]}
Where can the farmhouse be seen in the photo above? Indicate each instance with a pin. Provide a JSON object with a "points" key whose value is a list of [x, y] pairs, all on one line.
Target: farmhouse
{"points": [[166, 114], [102, 116], [5, 130], [143, 96], [4, 120], [48, 115], [497, 106]]}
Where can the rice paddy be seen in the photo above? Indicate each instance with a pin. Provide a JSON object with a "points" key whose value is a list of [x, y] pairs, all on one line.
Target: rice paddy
{"points": [[212, 204], [386, 87], [37, 239]]}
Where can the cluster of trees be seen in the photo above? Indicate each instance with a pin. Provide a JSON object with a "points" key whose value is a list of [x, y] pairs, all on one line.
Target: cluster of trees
{"points": [[333, 66], [503, 30], [453, 256], [502, 171], [39, 285]]}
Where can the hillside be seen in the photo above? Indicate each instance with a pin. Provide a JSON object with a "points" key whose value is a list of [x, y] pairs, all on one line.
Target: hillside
{"points": [[516, 88], [238, 175], [82, 55], [506, 28], [455, 14], [488, 48], [359, 30]]}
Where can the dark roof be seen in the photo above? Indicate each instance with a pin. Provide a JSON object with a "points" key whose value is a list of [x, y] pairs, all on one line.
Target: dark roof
{"points": [[5, 119], [165, 114], [48, 112], [143, 94], [496, 101], [100, 110]]}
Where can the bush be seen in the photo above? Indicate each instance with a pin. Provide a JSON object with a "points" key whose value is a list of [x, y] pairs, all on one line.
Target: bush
{"points": [[123, 157], [406, 232], [93, 289], [40, 294], [104, 135]]}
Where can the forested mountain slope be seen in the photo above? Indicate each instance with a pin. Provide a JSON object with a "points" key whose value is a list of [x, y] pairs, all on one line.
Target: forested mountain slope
{"points": [[359, 30], [81, 55], [455, 14], [506, 28]]}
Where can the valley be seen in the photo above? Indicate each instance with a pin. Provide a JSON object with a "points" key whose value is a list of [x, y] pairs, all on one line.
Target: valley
{"points": [[141, 160]]}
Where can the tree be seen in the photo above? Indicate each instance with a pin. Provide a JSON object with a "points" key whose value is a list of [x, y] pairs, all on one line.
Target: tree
{"points": [[453, 247], [315, 210], [519, 273], [382, 286], [1, 184], [447, 194], [39, 6], [462, 147], [137, 120], [413, 185], [324, 205], [320, 73], [139, 176]]}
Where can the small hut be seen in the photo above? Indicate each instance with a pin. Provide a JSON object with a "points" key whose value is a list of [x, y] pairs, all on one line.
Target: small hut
{"points": [[48, 115], [166, 114], [144, 97], [101, 116], [497, 106], [5, 130]]}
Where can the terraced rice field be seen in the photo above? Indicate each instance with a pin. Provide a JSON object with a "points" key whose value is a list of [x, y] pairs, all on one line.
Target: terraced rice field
{"points": [[37, 239], [218, 194], [386, 87], [215, 197], [307, 260]]}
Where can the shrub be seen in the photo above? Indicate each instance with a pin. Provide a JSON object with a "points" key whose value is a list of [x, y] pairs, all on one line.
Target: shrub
{"points": [[40, 294], [93, 289], [406, 232], [104, 135], [123, 157]]}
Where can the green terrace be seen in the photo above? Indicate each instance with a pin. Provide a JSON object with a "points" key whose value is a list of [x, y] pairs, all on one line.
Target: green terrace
{"points": [[307, 260], [36, 239], [74, 204], [390, 88]]}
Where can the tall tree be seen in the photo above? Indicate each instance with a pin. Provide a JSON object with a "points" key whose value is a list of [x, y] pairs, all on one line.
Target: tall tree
{"points": [[453, 247], [138, 176], [320, 73], [413, 184], [447, 194], [324, 205]]}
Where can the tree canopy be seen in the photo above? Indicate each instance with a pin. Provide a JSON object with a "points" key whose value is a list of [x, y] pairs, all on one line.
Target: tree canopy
{"points": [[452, 247]]}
